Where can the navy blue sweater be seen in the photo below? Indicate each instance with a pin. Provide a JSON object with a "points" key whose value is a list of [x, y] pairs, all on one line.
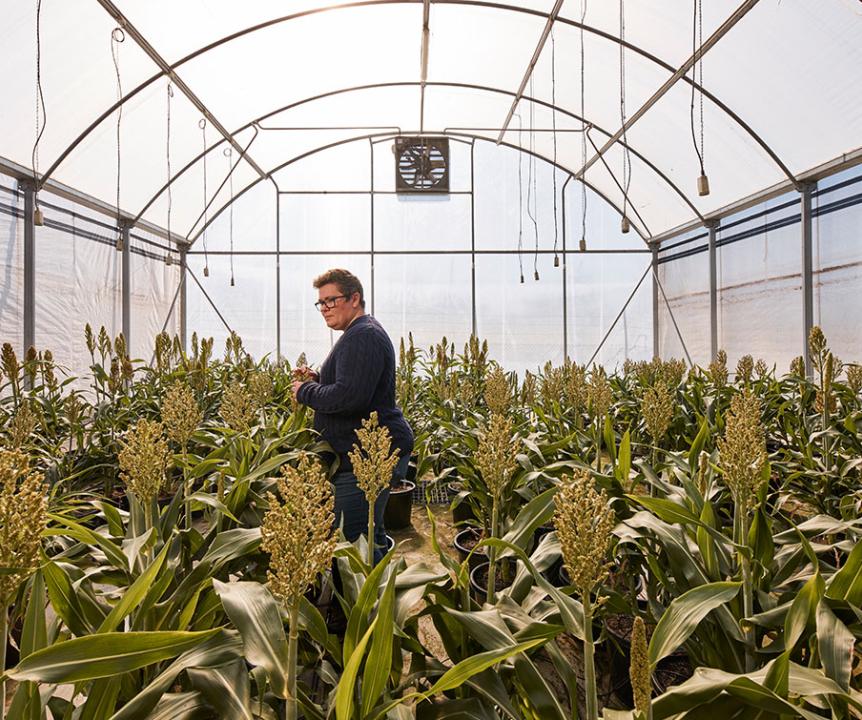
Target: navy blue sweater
{"points": [[357, 377]]}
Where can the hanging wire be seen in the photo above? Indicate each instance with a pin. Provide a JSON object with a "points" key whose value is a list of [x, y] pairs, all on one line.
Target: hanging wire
{"points": [[697, 68], [170, 94], [118, 36], [627, 161], [520, 197], [554, 134], [228, 153], [40, 113], [202, 124], [583, 243], [531, 183]]}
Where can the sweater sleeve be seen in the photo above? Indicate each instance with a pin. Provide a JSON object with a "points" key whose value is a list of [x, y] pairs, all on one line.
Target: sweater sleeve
{"points": [[358, 365]]}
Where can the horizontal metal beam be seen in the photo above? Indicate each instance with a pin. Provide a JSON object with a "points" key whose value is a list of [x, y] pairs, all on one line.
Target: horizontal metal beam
{"points": [[621, 251]]}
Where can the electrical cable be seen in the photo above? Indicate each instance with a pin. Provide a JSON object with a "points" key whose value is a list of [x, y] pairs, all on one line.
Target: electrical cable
{"points": [[531, 183], [554, 134], [627, 162], [170, 94], [697, 30], [118, 36], [202, 124], [583, 243], [40, 105]]}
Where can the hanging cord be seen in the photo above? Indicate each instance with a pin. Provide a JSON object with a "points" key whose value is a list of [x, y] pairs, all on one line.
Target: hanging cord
{"points": [[531, 183], [228, 153], [202, 124], [118, 36], [40, 112], [697, 69], [170, 94], [520, 197], [554, 134], [583, 243], [627, 161]]}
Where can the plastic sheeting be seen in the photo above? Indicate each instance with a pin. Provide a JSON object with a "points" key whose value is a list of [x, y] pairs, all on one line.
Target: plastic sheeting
{"points": [[312, 68], [11, 267]]}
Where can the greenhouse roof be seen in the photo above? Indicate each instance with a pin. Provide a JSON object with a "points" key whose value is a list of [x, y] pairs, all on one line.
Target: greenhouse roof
{"points": [[261, 84]]}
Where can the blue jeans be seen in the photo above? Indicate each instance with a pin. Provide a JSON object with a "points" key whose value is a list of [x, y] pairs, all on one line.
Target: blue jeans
{"points": [[351, 507]]}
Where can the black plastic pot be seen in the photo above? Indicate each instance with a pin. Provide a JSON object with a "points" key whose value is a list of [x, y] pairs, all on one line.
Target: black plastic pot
{"points": [[479, 578], [464, 542], [462, 513], [396, 516]]}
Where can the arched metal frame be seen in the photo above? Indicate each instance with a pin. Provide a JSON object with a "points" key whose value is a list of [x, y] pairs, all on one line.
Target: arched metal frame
{"points": [[170, 69]]}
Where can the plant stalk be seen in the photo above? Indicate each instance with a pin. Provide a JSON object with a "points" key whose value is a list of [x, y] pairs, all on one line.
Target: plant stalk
{"points": [[492, 555], [370, 556], [590, 693], [186, 490], [290, 712], [4, 631], [599, 424], [740, 526]]}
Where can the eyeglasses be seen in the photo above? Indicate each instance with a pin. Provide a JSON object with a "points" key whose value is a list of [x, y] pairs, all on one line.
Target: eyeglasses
{"points": [[329, 302]]}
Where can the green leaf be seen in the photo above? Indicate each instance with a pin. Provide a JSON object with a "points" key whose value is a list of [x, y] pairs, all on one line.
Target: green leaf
{"points": [[685, 613], [226, 688], [624, 460], [179, 706], [104, 655], [835, 643], [34, 635], [365, 601], [347, 684], [212, 501], [135, 594], [221, 648], [457, 675], [802, 611], [697, 446], [846, 584], [379, 662], [255, 613], [64, 601], [706, 543], [667, 510], [530, 517]]}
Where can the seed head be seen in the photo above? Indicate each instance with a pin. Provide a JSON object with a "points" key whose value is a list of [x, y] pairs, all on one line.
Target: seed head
{"points": [[180, 414], [22, 425], [639, 668], [658, 406], [31, 364], [163, 352], [49, 378], [74, 410], [553, 384], [10, 364], [260, 387], [297, 532], [743, 449], [371, 459], [89, 338], [528, 389], [575, 390], [104, 342], [497, 392], [744, 368], [599, 392], [718, 370], [120, 346], [797, 366], [854, 378], [23, 518], [760, 369], [825, 398], [584, 523], [496, 456], [816, 341], [144, 459], [237, 407]]}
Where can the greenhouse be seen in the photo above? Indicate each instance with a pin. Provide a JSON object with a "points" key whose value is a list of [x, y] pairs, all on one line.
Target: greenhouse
{"points": [[430, 359]]}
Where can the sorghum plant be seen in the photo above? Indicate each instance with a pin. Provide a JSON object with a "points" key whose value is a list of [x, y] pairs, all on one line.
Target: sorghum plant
{"points": [[297, 534], [181, 417], [143, 464], [584, 523], [497, 392], [639, 671], [496, 462], [600, 397], [23, 518], [237, 407], [718, 370], [373, 463], [657, 407], [743, 457]]}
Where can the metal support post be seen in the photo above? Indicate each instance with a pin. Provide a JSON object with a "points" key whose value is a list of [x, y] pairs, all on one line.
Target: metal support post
{"points": [[127, 285], [655, 328], [473, 330], [183, 299], [807, 274], [712, 227], [277, 274], [29, 267], [371, 199]]}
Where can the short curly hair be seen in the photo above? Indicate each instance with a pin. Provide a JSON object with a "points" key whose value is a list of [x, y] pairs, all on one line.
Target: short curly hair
{"points": [[346, 281]]}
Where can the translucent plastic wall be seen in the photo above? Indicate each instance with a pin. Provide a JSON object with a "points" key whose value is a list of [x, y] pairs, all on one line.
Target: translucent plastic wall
{"points": [[78, 280], [431, 256], [759, 279]]}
